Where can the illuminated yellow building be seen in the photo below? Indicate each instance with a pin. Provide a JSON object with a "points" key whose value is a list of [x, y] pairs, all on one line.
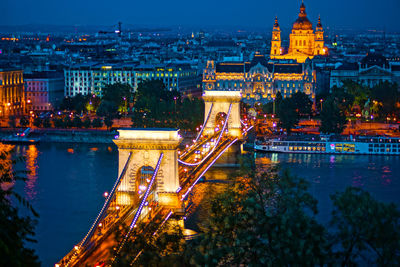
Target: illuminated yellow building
{"points": [[304, 42], [260, 80], [12, 95]]}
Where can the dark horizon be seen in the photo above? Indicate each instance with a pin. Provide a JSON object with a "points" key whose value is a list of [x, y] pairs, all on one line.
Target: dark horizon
{"points": [[357, 15]]}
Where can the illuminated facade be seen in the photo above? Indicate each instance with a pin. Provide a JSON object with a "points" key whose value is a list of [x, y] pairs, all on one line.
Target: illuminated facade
{"points": [[12, 95], [304, 42], [371, 71], [44, 90], [91, 79], [260, 80], [180, 77], [146, 147]]}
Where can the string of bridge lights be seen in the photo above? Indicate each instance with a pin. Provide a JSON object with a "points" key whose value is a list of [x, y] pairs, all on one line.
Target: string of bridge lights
{"points": [[216, 143], [102, 211], [142, 203]]}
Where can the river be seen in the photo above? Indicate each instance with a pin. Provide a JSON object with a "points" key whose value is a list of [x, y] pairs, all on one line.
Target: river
{"points": [[67, 182]]}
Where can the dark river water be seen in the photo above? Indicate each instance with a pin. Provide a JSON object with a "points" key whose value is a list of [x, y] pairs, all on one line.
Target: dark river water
{"points": [[67, 182]]}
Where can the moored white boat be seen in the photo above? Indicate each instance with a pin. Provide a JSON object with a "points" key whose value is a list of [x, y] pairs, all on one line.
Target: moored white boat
{"points": [[326, 145]]}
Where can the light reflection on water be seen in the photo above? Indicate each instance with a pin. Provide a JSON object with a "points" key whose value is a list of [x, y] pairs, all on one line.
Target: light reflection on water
{"points": [[65, 184], [67, 181], [327, 174], [31, 155]]}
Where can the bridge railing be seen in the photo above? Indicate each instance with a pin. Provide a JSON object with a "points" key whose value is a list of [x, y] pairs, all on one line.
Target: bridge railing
{"points": [[79, 248], [142, 203], [215, 145]]}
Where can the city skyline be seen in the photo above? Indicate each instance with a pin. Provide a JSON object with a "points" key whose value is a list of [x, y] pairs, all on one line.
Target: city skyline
{"points": [[366, 14]]}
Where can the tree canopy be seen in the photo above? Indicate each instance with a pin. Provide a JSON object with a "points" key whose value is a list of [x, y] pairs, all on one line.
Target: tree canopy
{"points": [[155, 106], [267, 217], [332, 117], [15, 231]]}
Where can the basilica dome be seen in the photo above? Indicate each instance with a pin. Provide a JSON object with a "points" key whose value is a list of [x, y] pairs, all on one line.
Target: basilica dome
{"points": [[302, 22]]}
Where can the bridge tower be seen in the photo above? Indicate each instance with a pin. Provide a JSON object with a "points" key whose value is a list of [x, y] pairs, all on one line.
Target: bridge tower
{"points": [[218, 103], [146, 146]]}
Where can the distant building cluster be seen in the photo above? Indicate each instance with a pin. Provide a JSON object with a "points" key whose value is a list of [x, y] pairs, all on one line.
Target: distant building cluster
{"points": [[44, 90], [91, 79], [12, 95], [260, 80], [39, 69], [303, 44], [370, 71]]}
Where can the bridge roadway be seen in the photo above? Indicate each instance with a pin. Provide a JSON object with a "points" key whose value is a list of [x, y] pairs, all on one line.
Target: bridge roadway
{"points": [[103, 241]]}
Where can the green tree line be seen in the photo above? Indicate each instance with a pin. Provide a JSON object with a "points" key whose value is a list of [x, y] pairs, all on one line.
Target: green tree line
{"points": [[268, 218]]}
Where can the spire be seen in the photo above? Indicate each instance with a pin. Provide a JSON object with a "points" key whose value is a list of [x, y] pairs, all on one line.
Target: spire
{"points": [[319, 24], [302, 8], [276, 24]]}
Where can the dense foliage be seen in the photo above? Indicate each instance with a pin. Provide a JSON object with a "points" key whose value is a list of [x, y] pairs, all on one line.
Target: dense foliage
{"points": [[289, 110], [15, 231], [332, 117], [155, 106], [267, 218]]}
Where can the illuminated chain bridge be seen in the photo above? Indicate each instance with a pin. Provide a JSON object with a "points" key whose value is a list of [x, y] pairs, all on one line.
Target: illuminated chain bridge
{"points": [[155, 177]]}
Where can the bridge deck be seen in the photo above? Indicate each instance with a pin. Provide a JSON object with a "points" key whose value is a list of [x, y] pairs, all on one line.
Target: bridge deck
{"points": [[100, 246]]}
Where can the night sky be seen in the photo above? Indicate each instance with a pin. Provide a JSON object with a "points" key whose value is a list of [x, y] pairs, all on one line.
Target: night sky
{"points": [[357, 14]]}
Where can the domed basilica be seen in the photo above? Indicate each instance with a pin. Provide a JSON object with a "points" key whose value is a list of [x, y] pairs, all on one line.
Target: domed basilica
{"points": [[304, 42]]}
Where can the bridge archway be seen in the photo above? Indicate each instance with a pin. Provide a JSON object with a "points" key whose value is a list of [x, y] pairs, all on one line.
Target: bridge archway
{"points": [[220, 120], [143, 178], [218, 102], [146, 146]]}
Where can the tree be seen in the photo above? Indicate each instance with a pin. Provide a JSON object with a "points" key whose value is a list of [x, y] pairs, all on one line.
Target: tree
{"points": [[119, 95], [343, 99], [77, 122], [46, 123], [164, 246], [157, 106], [12, 123], [23, 121], [15, 231], [108, 122], [263, 219], [67, 122], [387, 95], [93, 103], [77, 103], [359, 93], [106, 108], [97, 123], [302, 103], [364, 228], [87, 123], [37, 122], [333, 119], [58, 122], [286, 112]]}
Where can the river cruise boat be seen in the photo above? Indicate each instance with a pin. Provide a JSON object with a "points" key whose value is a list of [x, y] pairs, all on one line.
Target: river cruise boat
{"points": [[318, 144]]}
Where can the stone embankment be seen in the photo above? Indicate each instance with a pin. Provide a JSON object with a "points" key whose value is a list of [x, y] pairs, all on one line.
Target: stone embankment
{"points": [[66, 135], [89, 136]]}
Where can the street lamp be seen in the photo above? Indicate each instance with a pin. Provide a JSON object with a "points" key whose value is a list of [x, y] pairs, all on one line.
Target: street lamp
{"points": [[273, 106], [321, 100], [126, 110], [117, 209]]}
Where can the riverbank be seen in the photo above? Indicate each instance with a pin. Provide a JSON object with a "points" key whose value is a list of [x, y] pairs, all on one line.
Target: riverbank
{"points": [[85, 136]]}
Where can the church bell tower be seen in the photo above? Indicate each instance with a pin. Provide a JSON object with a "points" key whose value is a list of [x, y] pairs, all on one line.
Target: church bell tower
{"points": [[319, 39], [276, 40]]}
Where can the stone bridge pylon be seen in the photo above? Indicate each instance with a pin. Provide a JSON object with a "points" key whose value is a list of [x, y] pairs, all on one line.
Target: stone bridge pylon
{"points": [[146, 146], [217, 104]]}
